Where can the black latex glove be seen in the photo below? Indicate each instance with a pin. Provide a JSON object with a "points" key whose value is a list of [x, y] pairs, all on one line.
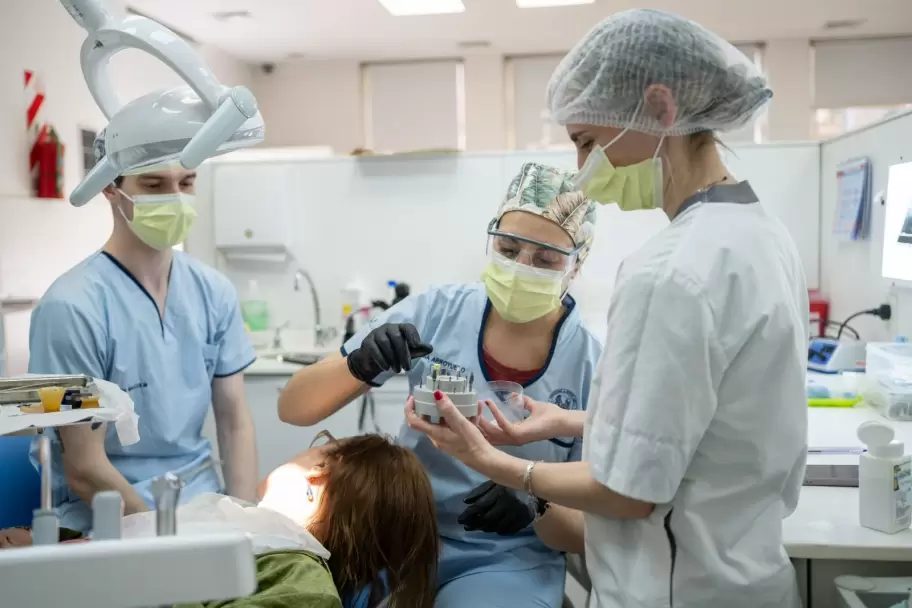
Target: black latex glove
{"points": [[390, 347], [494, 508]]}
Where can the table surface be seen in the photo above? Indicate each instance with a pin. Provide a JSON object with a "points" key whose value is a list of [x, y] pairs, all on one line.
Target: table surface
{"points": [[825, 524]]}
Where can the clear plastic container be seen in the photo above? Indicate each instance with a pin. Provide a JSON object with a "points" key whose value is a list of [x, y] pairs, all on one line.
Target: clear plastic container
{"points": [[887, 385], [890, 360], [508, 396], [893, 403]]}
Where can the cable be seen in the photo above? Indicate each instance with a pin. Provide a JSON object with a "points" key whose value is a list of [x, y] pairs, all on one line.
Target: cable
{"points": [[350, 321], [836, 324], [883, 311]]}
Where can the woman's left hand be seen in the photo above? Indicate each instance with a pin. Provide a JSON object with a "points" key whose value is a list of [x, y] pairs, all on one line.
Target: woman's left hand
{"points": [[456, 435]]}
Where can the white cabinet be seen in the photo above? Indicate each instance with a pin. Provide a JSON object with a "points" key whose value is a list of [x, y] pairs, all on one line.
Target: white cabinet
{"points": [[276, 441], [253, 206]]}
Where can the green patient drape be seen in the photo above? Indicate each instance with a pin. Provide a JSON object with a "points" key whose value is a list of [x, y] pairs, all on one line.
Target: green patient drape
{"points": [[286, 579]]}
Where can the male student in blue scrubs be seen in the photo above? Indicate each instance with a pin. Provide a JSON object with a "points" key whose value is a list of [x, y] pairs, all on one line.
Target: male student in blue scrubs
{"points": [[164, 327]]}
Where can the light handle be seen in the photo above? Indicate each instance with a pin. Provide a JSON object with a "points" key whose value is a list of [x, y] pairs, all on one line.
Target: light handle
{"points": [[238, 106]]}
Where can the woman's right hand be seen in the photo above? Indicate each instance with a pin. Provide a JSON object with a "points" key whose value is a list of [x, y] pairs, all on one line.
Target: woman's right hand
{"points": [[545, 420], [390, 347]]}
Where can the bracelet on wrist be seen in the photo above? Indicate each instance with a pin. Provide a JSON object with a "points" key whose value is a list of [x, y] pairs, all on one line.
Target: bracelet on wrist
{"points": [[527, 478]]}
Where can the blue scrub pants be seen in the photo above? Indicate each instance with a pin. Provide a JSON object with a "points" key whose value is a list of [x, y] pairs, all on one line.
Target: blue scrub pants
{"points": [[479, 581]]}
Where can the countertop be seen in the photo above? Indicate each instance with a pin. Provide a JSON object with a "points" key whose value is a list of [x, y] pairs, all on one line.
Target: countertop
{"points": [[825, 526], [267, 363], [825, 523], [271, 367]]}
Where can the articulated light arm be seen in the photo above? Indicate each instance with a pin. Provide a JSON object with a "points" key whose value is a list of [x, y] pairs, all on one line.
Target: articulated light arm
{"points": [[190, 123]]}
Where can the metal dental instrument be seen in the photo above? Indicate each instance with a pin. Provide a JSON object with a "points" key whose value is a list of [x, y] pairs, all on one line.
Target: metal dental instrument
{"points": [[166, 490], [45, 524], [44, 456], [107, 516]]}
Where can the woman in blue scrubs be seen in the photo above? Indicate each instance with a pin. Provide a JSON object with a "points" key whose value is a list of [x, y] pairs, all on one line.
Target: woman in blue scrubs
{"points": [[520, 325]]}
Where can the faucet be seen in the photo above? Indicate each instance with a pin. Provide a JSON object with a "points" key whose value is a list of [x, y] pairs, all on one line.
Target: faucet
{"points": [[321, 334], [277, 336]]}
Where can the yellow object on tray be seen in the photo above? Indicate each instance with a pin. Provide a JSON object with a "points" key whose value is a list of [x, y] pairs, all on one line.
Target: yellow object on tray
{"points": [[51, 397], [833, 402], [89, 402]]}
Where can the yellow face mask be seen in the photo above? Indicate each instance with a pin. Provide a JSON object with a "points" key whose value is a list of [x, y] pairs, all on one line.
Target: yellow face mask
{"points": [[632, 188], [521, 293], [162, 221]]}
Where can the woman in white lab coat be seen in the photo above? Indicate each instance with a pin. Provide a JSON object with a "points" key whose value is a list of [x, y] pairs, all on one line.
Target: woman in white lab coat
{"points": [[695, 436]]}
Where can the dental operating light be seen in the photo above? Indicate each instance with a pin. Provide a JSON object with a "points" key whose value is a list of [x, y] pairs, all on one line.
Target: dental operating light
{"points": [[189, 123]]}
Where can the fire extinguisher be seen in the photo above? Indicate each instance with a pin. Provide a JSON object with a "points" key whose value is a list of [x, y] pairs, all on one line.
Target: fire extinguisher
{"points": [[819, 311], [49, 152]]}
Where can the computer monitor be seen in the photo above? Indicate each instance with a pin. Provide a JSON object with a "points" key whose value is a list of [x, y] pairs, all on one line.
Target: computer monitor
{"points": [[897, 247]]}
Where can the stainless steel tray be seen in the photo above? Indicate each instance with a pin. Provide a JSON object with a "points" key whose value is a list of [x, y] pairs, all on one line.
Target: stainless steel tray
{"points": [[14, 391]]}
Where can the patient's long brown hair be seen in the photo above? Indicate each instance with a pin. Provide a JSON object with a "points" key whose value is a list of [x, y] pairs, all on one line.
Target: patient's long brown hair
{"points": [[379, 517]]}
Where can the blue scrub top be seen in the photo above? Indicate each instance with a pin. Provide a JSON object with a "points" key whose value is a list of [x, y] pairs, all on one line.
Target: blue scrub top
{"points": [[97, 319], [451, 318]]}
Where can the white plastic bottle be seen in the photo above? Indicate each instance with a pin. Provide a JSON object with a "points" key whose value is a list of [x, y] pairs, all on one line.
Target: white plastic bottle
{"points": [[352, 299], [884, 480]]}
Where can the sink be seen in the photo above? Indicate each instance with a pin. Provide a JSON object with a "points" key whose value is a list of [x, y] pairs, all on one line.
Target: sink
{"points": [[298, 358]]}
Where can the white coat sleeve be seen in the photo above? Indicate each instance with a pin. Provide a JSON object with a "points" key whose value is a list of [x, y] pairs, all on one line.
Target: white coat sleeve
{"points": [[656, 386]]}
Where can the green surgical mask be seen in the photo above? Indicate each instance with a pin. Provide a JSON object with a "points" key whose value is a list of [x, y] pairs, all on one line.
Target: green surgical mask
{"points": [[161, 221], [521, 293], [632, 188]]}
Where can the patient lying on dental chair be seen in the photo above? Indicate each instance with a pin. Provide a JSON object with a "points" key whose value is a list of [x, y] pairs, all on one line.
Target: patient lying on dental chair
{"points": [[342, 525]]}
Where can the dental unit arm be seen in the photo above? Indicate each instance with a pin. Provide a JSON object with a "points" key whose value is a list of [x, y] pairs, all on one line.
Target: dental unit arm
{"points": [[109, 572], [190, 123]]}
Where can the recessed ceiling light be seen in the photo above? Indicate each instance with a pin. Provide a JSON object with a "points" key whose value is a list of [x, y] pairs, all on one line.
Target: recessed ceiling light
{"points": [[405, 8], [474, 44], [843, 24], [231, 15], [545, 3]]}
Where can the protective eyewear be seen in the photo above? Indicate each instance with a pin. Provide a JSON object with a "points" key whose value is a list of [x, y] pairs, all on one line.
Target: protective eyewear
{"points": [[322, 438], [530, 252]]}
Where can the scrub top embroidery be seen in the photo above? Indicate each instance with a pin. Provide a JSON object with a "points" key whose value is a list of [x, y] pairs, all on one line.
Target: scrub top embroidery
{"points": [[96, 319], [451, 319]]}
